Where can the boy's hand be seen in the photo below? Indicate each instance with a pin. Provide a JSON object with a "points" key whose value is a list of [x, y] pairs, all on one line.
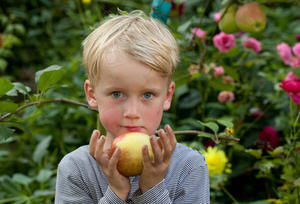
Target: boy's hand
{"points": [[162, 147], [108, 161]]}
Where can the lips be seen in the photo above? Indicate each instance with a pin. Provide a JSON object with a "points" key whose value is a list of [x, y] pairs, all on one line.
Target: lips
{"points": [[133, 128]]}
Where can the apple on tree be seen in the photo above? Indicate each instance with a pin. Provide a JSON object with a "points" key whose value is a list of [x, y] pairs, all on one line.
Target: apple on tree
{"points": [[227, 23], [131, 158], [251, 18]]}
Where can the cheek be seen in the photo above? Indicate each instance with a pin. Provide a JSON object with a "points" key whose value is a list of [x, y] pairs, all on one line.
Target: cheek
{"points": [[110, 118], [153, 118]]}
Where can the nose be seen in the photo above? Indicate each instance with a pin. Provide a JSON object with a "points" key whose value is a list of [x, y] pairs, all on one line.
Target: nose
{"points": [[132, 108]]}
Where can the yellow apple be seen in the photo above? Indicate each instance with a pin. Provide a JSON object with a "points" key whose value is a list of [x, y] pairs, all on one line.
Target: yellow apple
{"points": [[251, 18], [227, 23], [131, 158]]}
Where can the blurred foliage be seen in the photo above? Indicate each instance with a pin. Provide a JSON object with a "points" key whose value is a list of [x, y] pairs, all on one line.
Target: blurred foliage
{"points": [[42, 75]]}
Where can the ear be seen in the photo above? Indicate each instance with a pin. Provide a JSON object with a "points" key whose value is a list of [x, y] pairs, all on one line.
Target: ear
{"points": [[90, 94], [168, 100]]}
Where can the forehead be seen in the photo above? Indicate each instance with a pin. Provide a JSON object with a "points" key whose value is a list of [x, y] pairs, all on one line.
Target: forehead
{"points": [[119, 68]]}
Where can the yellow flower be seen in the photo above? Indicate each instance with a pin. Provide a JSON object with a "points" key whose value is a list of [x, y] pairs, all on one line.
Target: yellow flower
{"points": [[86, 1], [216, 161], [229, 131]]}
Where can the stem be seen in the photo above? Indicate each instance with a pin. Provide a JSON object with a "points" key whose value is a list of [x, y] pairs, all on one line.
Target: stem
{"points": [[196, 132], [229, 194], [60, 100]]}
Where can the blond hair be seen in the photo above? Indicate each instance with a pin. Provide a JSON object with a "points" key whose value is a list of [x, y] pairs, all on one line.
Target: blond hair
{"points": [[143, 38]]}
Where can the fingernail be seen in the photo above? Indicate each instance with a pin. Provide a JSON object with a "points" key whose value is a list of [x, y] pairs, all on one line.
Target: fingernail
{"points": [[96, 132], [169, 127], [152, 138]]}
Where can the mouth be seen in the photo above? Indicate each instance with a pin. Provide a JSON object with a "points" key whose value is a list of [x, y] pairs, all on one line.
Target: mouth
{"points": [[133, 128]]}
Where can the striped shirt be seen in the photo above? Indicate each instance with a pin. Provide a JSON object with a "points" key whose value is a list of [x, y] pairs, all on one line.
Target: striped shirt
{"points": [[80, 180]]}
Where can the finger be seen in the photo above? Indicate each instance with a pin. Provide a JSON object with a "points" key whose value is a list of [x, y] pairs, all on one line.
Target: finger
{"points": [[146, 158], [113, 162], [99, 149], [156, 149], [93, 142], [166, 144], [171, 136]]}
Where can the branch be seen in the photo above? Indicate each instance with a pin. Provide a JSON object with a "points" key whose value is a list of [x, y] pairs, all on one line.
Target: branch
{"points": [[37, 103]]}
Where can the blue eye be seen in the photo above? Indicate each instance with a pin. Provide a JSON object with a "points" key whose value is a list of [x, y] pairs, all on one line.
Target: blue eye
{"points": [[116, 94], [147, 95]]}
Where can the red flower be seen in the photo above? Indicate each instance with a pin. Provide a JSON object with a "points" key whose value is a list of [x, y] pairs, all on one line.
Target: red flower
{"points": [[209, 143], [268, 138], [177, 10], [296, 98], [290, 86]]}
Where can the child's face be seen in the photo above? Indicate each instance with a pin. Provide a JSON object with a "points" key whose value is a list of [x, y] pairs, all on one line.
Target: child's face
{"points": [[129, 95]]}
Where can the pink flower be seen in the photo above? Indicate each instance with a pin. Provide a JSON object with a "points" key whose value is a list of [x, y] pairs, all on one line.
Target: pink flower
{"points": [[217, 16], [252, 43], [226, 96], [198, 32], [290, 86], [295, 62], [218, 71], [296, 98], [296, 49], [285, 53], [228, 80], [224, 42], [268, 138], [291, 76]]}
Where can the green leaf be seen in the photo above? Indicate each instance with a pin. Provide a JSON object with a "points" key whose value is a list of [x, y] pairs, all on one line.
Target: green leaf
{"points": [[219, 86], [42, 193], [203, 134], [254, 152], [7, 107], [277, 151], [5, 86], [5, 132], [211, 125], [41, 149], [22, 179], [44, 175], [48, 77], [3, 64], [226, 123], [182, 28], [18, 87], [297, 182], [181, 77]]}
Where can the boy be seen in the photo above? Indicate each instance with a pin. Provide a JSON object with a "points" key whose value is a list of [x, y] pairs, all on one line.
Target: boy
{"points": [[130, 60]]}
